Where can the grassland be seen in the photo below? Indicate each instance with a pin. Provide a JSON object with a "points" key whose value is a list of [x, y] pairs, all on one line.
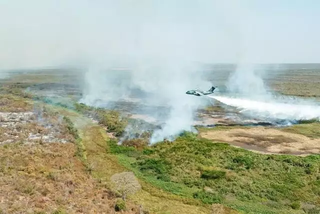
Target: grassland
{"points": [[297, 83], [102, 164], [75, 175], [189, 175], [48, 178], [310, 130], [196, 168]]}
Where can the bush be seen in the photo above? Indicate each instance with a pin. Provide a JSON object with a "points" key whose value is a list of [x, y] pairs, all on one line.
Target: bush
{"points": [[157, 167], [247, 162], [208, 198], [136, 143], [189, 135], [119, 149], [113, 122], [125, 184], [213, 174], [295, 205], [120, 205], [147, 151], [308, 121], [82, 108]]}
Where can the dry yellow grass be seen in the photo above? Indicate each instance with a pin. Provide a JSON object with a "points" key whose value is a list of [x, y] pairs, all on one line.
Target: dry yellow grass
{"points": [[9, 103], [46, 178]]}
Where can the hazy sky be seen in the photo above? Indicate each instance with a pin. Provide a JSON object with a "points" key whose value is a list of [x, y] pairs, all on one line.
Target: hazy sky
{"points": [[57, 32]]}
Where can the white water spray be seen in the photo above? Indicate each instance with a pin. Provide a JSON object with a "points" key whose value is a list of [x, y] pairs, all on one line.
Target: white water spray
{"points": [[274, 109]]}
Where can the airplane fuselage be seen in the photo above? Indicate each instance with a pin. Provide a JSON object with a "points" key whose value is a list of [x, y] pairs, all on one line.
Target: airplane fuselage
{"points": [[200, 93], [195, 92]]}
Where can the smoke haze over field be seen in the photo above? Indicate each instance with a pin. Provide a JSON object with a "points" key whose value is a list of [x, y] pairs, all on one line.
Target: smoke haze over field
{"points": [[247, 80], [155, 47], [162, 84]]}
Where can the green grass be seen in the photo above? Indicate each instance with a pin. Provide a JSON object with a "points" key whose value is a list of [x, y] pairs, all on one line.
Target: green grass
{"points": [[311, 130], [213, 174], [210, 172]]}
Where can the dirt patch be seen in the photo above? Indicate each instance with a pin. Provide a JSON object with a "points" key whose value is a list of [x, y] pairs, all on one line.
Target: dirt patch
{"points": [[266, 140], [26, 122], [30, 127]]}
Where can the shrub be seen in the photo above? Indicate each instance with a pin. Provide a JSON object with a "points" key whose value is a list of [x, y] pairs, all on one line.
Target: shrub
{"points": [[82, 108], [125, 184], [119, 149], [147, 151], [245, 161], [138, 143], [308, 121], [189, 135], [157, 167], [120, 205], [295, 205], [208, 198], [113, 122], [213, 174]]}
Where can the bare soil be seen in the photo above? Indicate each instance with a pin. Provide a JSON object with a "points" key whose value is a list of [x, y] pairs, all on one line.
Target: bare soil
{"points": [[265, 140]]}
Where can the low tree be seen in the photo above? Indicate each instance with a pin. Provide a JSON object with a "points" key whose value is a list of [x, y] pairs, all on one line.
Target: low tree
{"points": [[125, 184]]}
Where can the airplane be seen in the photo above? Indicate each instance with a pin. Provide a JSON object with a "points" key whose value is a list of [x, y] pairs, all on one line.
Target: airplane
{"points": [[200, 93]]}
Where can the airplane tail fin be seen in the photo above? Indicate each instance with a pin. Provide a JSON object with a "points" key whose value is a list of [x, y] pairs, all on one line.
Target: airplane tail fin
{"points": [[212, 89]]}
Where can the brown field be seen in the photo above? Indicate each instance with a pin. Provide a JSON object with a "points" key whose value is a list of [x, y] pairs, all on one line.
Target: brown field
{"points": [[266, 140], [49, 178]]}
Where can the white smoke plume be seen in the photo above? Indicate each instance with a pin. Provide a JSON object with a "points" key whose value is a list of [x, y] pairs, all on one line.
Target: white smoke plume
{"points": [[247, 80], [162, 84]]}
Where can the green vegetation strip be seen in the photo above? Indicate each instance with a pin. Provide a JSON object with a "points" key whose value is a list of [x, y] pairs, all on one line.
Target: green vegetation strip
{"points": [[210, 172]]}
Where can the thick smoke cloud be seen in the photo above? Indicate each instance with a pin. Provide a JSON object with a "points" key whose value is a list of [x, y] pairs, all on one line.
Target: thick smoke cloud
{"points": [[159, 84], [162, 65]]}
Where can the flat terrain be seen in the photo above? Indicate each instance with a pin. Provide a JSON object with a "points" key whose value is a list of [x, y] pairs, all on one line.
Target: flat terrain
{"points": [[266, 140], [58, 156]]}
